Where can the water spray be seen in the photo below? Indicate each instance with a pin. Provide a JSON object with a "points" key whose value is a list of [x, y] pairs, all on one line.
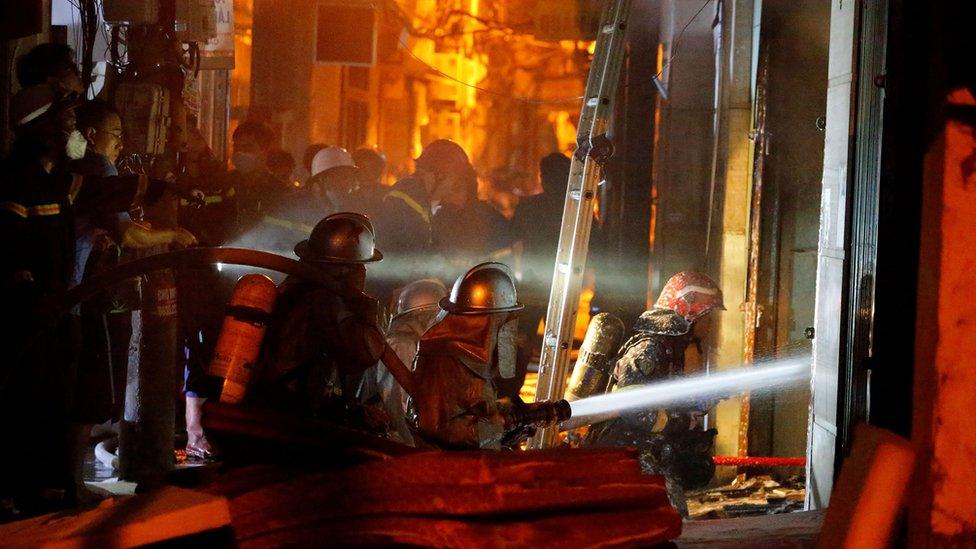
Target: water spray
{"points": [[572, 414], [718, 385]]}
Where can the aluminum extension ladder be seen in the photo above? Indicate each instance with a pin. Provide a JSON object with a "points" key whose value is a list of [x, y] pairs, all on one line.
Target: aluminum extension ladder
{"points": [[593, 150]]}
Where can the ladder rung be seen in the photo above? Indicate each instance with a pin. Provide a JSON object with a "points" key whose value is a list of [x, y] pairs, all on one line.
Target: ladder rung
{"points": [[601, 86]]}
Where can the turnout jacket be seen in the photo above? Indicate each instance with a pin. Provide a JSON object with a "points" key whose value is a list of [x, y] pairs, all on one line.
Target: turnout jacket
{"points": [[37, 219], [315, 346]]}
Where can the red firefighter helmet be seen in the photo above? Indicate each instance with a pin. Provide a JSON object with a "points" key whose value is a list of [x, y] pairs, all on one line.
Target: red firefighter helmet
{"points": [[691, 295]]}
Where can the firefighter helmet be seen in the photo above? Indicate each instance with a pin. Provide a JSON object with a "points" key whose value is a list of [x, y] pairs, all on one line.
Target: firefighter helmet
{"points": [[341, 238], [485, 289], [420, 294], [691, 295], [444, 155], [329, 158]]}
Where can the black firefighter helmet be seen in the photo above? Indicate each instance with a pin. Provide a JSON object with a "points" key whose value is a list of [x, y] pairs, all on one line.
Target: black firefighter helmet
{"points": [[485, 289], [340, 238]]}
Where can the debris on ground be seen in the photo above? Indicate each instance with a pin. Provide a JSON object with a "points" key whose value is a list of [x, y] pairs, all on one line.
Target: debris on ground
{"points": [[747, 496]]}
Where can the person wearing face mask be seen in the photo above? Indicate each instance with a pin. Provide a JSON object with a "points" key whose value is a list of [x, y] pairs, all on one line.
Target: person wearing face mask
{"points": [[39, 200], [256, 189], [293, 216], [333, 177], [105, 323]]}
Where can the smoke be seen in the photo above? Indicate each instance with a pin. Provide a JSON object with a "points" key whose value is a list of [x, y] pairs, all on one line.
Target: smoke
{"points": [[773, 374]]}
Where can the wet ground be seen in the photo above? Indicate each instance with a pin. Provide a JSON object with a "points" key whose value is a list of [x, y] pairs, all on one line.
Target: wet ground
{"points": [[102, 476]]}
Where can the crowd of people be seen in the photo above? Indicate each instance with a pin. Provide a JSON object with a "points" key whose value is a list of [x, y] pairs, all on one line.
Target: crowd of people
{"points": [[72, 206]]}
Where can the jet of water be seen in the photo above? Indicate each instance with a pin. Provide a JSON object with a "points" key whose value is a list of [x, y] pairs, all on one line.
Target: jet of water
{"points": [[723, 384]]}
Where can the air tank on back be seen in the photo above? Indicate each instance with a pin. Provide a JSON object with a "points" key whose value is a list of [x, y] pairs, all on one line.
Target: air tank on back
{"points": [[594, 367]]}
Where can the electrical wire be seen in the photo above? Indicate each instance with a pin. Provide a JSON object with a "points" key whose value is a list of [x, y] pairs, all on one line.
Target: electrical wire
{"points": [[677, 40]]}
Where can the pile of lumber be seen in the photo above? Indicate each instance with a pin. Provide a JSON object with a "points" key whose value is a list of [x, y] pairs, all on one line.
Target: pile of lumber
{"points": [[581, 498]]}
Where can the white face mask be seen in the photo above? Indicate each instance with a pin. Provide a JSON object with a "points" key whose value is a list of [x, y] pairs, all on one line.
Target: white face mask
{"points": [[76, 146]]}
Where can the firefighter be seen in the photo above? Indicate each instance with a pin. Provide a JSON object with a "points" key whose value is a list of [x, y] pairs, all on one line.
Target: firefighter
{"points": [[334, 177], [51, 64], [369, 193], [256, 190], [462, 359], [294, 216], [668, 341], [417, 310], [406, 212], [408, 205], [465, 227], [319, 343], [39, 201]]}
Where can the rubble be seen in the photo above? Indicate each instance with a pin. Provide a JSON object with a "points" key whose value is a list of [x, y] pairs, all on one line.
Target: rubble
{"points": [[747, 496]]}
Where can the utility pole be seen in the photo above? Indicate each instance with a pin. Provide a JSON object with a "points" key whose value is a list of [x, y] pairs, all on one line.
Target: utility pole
{"points": [[149, 99]]}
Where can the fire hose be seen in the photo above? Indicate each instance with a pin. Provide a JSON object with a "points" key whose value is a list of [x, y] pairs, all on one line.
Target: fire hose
{"points": [[198, 257], [539, 414], [748, 461]]}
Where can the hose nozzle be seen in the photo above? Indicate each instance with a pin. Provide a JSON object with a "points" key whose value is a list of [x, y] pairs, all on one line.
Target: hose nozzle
{"points": [[541, 414]]}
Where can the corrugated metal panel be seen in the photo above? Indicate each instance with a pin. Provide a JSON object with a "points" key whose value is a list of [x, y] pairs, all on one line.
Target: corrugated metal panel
{"points": [[862, 241]]}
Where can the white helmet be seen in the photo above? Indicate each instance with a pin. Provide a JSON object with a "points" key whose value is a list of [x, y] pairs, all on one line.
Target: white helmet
{"points": [[329, 158]]}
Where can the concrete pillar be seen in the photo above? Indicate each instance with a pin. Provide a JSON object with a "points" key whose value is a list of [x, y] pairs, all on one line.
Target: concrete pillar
{"points": [[733, 177], [943, 511], [288, 90]]}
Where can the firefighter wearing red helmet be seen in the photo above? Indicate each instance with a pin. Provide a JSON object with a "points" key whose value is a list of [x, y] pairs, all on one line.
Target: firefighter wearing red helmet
{"points": [[319, 343], [665, 340], [691, 295]]}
